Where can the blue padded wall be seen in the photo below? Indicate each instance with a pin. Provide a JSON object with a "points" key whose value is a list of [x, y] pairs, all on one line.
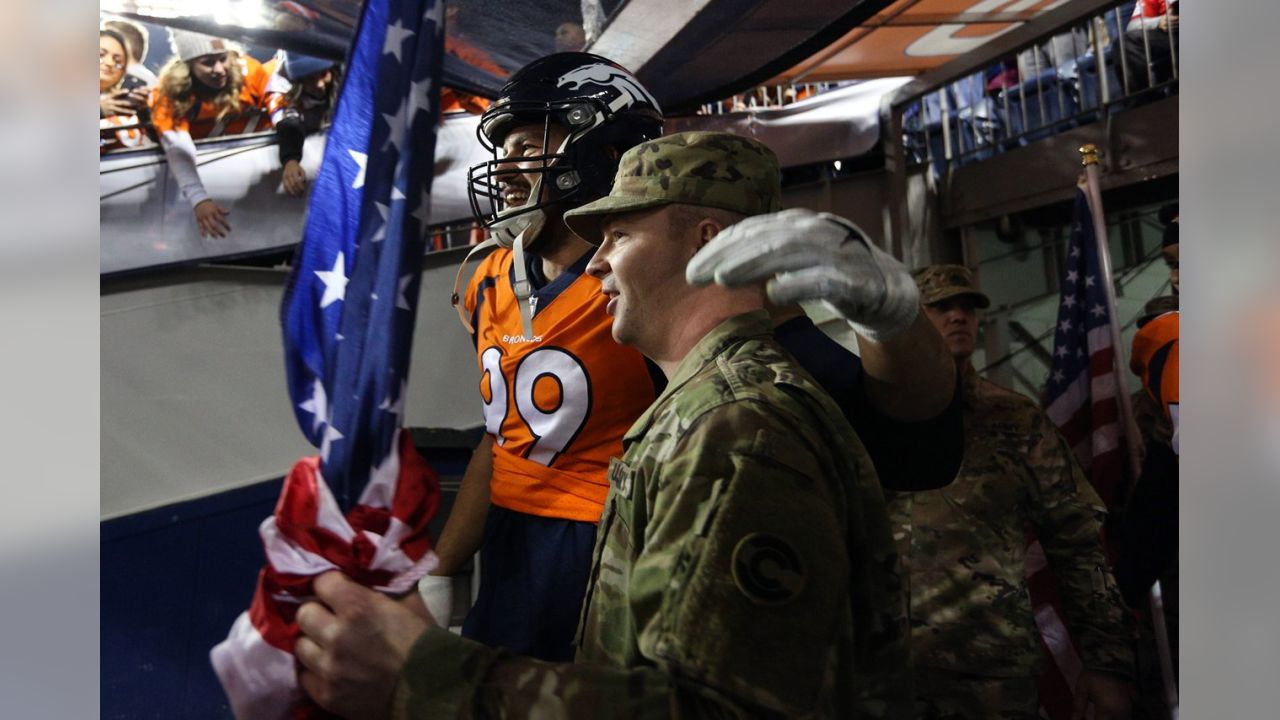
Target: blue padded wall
{"points": [[175, 578]]}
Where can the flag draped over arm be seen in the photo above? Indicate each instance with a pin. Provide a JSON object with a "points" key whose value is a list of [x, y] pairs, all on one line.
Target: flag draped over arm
{"points": [[362, 505], [1082, 400]]}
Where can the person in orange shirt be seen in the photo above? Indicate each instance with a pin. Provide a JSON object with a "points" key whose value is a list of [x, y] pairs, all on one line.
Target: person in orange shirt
{"points": [[1155, 361], [207, 90], [558, 392], [1154, 358], [120, 97]]}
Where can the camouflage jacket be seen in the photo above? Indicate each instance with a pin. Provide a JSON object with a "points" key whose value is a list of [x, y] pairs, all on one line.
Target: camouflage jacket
{"points": [[964, 547], [743, 568]]}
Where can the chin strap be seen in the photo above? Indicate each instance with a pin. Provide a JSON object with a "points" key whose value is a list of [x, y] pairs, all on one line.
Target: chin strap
{"points": [[525, 299], [489, 243]]}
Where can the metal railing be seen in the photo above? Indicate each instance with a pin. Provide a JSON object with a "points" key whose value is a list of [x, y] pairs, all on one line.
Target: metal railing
{"points": [[1100, 61], [1070, 66], [461, 233], [768, 96]]}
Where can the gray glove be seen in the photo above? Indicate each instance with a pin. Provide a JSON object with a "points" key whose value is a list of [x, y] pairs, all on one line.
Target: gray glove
{"points": [[805, 255], [437, 594]]}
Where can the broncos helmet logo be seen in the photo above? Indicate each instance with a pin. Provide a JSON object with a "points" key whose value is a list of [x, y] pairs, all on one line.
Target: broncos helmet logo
{"points": [[608, 76]]}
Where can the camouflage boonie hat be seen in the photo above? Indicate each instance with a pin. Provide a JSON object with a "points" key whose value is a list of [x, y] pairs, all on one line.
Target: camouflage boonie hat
{"points": [[711, 169], [939, 282]]}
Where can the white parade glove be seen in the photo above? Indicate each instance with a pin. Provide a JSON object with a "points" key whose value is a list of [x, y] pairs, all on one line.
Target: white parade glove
{"points": [[806, 255], [437, 594]]}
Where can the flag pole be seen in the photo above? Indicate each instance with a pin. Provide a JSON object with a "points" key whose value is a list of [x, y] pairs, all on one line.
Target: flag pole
{"points": [[1089, 158], [1093, 193]]}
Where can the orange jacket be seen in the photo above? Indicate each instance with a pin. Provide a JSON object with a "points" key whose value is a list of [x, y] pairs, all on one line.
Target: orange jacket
{"points": [[202, 121], [1155, 360]]}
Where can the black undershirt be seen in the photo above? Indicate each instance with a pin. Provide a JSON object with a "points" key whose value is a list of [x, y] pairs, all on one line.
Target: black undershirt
{"points": [[908, 456]]}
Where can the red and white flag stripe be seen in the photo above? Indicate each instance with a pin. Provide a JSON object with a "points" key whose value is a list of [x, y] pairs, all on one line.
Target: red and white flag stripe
{"points": [[381, 543]]}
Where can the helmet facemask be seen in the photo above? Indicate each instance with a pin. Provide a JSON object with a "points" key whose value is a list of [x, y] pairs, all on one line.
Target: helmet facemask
{"points": [[579, 170], [604, 111]]}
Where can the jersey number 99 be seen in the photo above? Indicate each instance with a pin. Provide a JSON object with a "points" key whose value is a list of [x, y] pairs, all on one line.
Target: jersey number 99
{"points": [[552, 398]]}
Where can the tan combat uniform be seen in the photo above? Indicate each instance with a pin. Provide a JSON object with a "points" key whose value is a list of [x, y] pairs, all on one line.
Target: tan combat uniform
{"points": [[974, 639]]}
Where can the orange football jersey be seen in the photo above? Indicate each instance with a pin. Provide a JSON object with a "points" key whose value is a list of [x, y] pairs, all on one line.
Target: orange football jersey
{"points": [[1155, 360], [556, 404]]}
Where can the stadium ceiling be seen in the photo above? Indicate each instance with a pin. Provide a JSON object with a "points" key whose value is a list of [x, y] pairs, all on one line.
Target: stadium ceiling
{"points": [[909, 37], [686, 51]]}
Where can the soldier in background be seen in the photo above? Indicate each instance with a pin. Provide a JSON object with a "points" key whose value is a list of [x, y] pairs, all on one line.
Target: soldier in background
{"points": [[974, 640], [744, 566]]}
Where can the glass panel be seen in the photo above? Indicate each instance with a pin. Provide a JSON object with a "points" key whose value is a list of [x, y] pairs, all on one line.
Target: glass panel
{"points": [[1018, 269]]}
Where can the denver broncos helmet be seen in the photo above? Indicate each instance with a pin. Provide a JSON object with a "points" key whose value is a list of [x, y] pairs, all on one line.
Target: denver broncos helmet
{"points": [[605, 110]]}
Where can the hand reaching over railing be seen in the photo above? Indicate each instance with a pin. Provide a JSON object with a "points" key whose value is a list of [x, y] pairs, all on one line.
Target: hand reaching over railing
{"points": [[211, 218], [295, 178]]}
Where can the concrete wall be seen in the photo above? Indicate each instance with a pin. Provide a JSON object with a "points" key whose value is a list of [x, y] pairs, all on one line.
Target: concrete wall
{"points": [[193, 395]]}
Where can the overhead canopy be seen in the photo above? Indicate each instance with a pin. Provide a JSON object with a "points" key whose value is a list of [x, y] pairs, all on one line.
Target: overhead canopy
{"points": [[912, 36], [686, 51], [693, 51]]}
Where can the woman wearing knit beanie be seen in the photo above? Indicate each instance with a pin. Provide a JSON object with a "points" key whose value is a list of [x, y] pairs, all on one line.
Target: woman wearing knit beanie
{"points": [[208, 89]]}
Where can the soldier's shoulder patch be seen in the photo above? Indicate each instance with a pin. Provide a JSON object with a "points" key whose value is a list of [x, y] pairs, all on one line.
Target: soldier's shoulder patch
{"points": [[767, 569]]}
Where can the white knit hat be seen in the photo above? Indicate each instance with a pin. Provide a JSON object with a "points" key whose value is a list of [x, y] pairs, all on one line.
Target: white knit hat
{"points": [[189, 45]]}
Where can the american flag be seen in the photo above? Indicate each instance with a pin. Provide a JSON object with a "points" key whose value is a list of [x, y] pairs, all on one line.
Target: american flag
{"points": [[1082, 394], [349, 309], [1082, 400], [362, 505]]}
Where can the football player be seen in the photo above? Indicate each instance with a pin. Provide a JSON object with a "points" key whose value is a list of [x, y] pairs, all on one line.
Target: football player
{"points": [[558, 392]]}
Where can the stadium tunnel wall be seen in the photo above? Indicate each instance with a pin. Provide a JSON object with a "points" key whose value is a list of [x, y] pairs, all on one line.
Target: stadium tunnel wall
{"points": [[197, 434]]}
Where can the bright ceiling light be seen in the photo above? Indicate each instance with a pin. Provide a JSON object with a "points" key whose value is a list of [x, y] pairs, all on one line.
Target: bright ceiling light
{"points": [[237, 13]]}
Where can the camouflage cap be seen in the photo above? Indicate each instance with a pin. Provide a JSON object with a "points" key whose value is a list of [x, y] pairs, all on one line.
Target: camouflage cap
{"points": [[939, 282], [711, 169]]}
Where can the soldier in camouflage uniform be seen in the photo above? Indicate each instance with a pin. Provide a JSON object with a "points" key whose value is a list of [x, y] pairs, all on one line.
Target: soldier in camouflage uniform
{"points": [[974, 639], [744, 565]]}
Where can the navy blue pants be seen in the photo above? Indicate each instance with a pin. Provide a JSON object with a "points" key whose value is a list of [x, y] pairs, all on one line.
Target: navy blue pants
{"points": [[533, 576]]}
